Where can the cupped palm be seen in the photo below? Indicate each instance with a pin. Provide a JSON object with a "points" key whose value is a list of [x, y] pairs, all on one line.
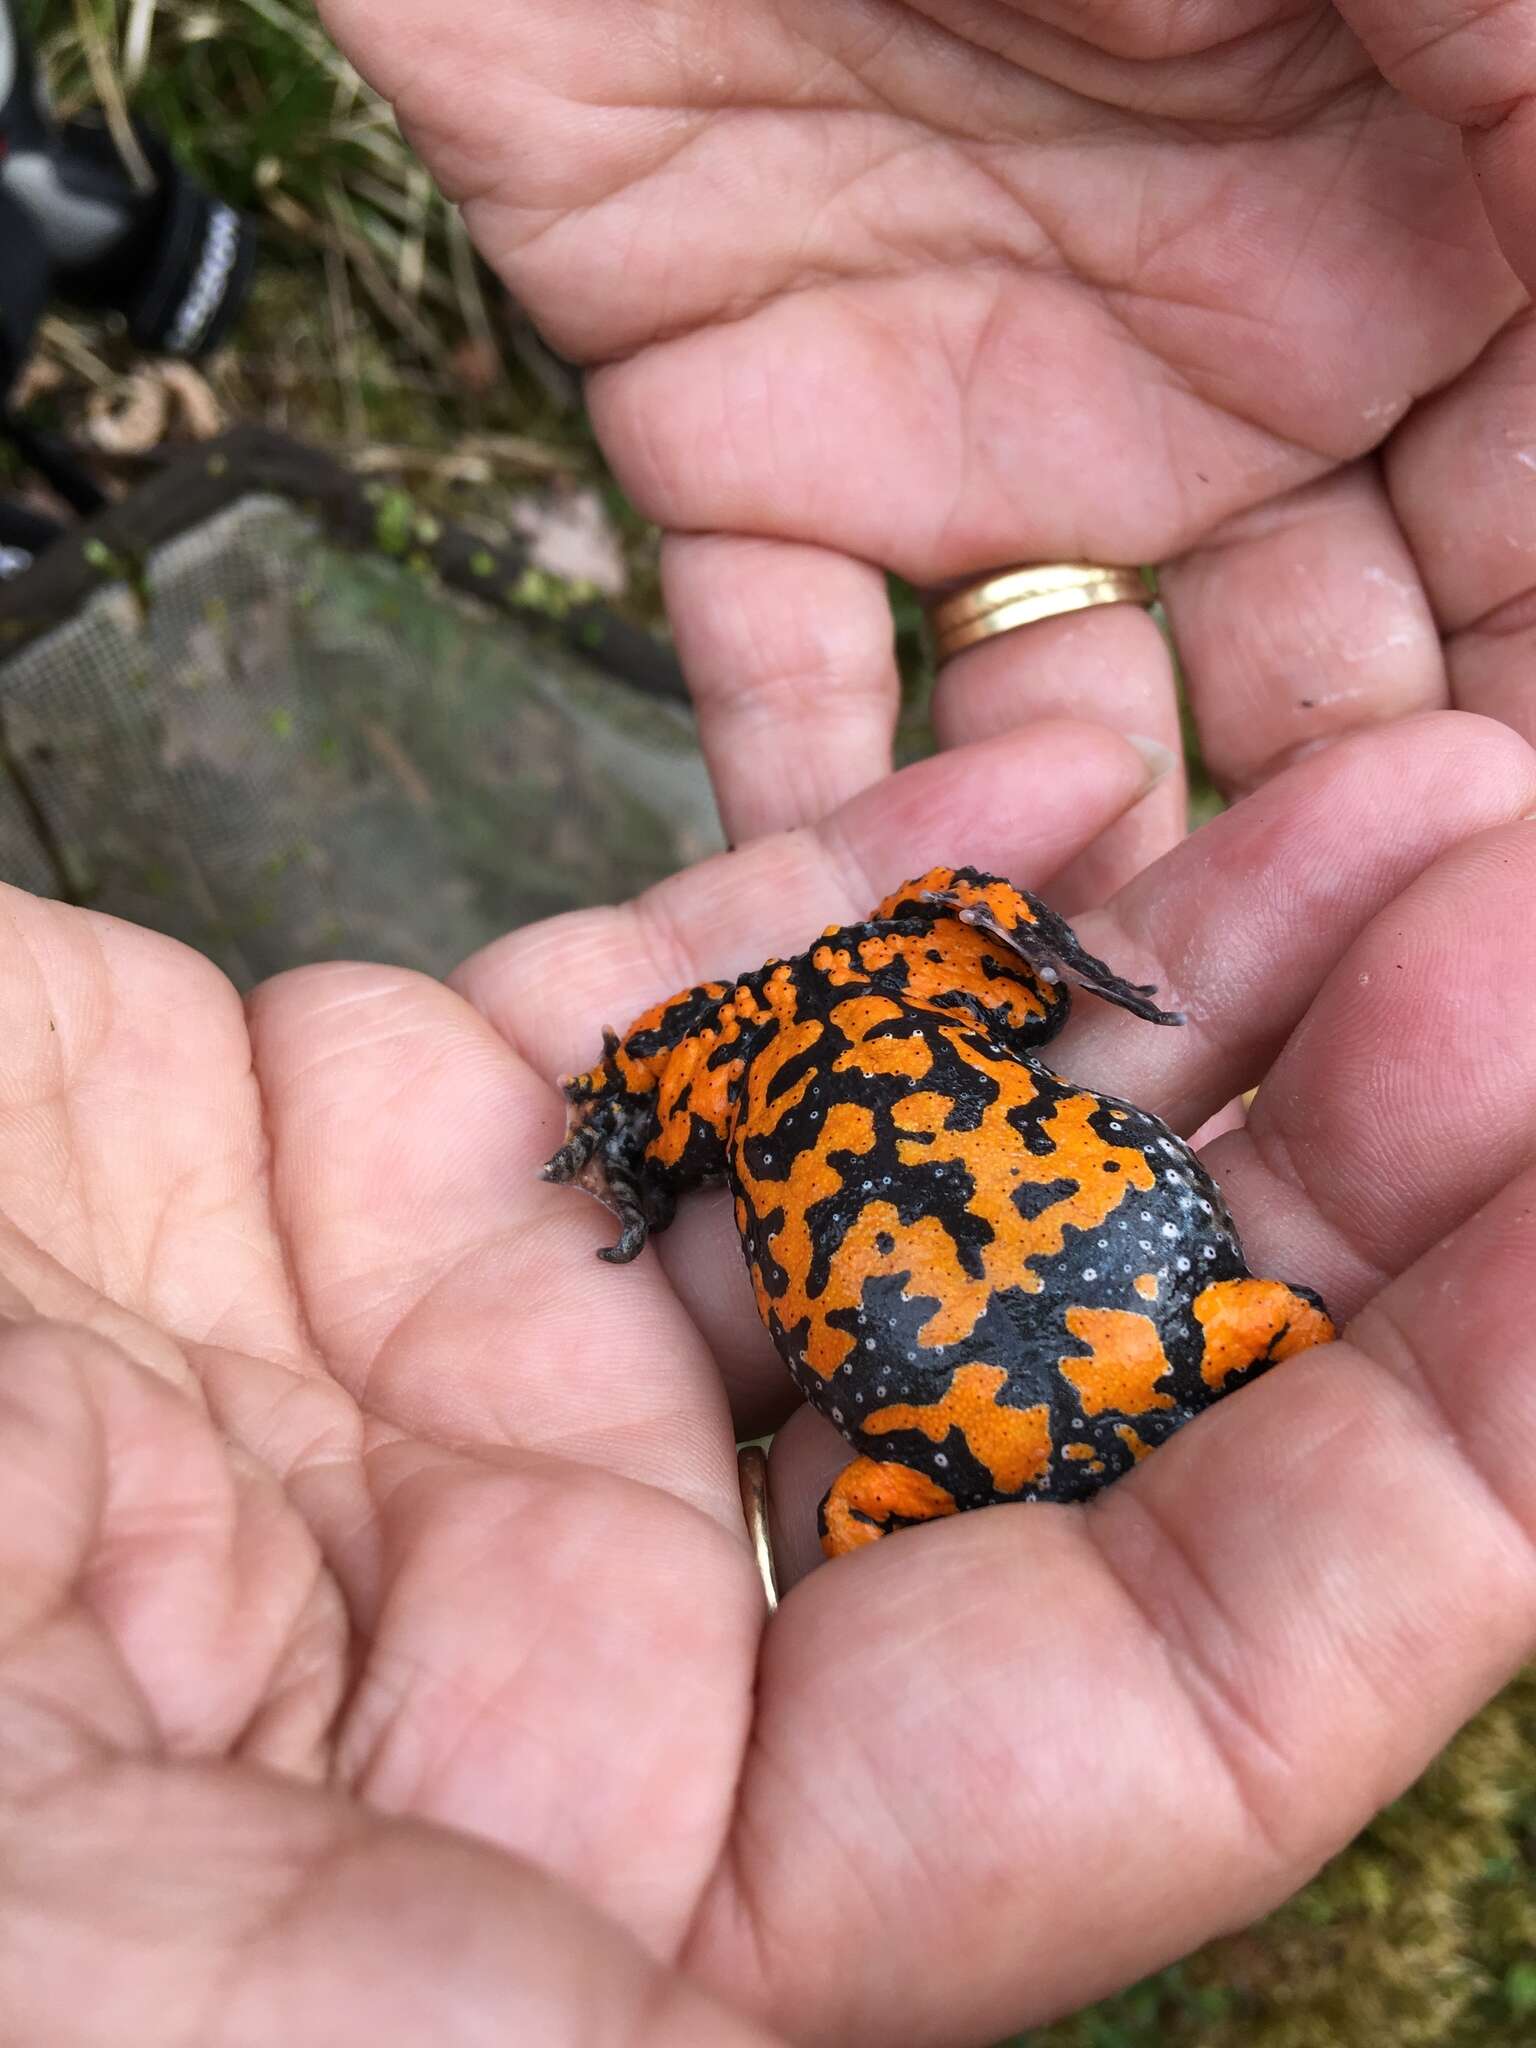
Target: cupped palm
{"points": [[404, 1560]]}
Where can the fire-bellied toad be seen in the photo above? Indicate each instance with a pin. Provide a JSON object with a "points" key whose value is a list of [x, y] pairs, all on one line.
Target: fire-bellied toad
{"points": [[997, 1285]]}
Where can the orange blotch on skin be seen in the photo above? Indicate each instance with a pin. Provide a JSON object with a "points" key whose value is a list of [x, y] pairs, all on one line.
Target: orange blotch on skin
{"points": [[710, 1094], [639, 1076], [1080, 1454], [998, 1162], [837, 966], [858, 1019], [923, 1252], [1134, 1442], [881, 948], [1125, 1363], [961, 968], [1012, 1444], [999, 899], [933, 881], [867, 1496], [1146, 1286], [1248, 1320]]}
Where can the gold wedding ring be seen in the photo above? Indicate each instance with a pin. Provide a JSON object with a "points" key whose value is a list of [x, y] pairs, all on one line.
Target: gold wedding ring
{"points": [[1012, 598], [752, 1470]]}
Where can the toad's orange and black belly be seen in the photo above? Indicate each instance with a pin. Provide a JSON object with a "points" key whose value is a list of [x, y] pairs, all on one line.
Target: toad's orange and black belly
{"points": [[997, 1285]]}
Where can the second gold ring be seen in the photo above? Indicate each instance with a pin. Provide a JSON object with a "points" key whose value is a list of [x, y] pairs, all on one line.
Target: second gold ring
{"points": [[1023, 597]]}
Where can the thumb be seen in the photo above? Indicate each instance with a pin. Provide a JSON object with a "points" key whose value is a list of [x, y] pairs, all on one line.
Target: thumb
{"points": [[1473, 63]]}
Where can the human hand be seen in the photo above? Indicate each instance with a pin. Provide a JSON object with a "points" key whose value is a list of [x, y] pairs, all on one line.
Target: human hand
{"points": [[391, 1616], [935, 288]]}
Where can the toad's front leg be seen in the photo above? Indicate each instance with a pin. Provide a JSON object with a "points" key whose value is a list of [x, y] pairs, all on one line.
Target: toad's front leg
{"points": [[652, 1119]]}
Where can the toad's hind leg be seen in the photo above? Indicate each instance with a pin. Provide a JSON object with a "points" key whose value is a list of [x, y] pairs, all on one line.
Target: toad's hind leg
{"points": [[868, 1499], [1250, 1325], [1030, 928]]}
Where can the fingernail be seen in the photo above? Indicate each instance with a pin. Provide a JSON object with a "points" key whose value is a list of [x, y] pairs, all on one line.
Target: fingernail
{"points": [[1529, 818], [1160, 760]]}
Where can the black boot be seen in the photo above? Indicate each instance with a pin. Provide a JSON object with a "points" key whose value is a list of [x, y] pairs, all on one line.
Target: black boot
{"points": [[172, 260]]}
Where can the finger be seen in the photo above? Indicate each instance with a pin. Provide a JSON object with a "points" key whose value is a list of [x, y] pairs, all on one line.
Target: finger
{"points": [[131, 1157], [1110, 664], [1301, 621], [1021, 806], [544, 1443], [806, 1455], [235, 1908], [52, 1484], [178, 1591], [143, 1585], [407, 1138], [790, 657], [1241, 925], [1407, 1096], [701, 1255], [1250, 1644], [1462, 476], [1474, 65]]}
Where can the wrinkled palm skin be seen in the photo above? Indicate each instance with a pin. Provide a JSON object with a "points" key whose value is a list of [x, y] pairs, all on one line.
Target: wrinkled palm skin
{"points": [[1228, 285], [380, 1649]]}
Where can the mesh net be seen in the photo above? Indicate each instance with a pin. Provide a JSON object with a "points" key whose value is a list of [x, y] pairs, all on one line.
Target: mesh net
{"points": [[281, 751]]}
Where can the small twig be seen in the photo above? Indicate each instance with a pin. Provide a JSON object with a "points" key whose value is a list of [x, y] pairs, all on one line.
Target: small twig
{"points": [[418, 790], [461, 256], [370, 274], [61, 340], [311, 40], [109, 91], [476, 459], [412, 269], [136, 41], [344, 327]]}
